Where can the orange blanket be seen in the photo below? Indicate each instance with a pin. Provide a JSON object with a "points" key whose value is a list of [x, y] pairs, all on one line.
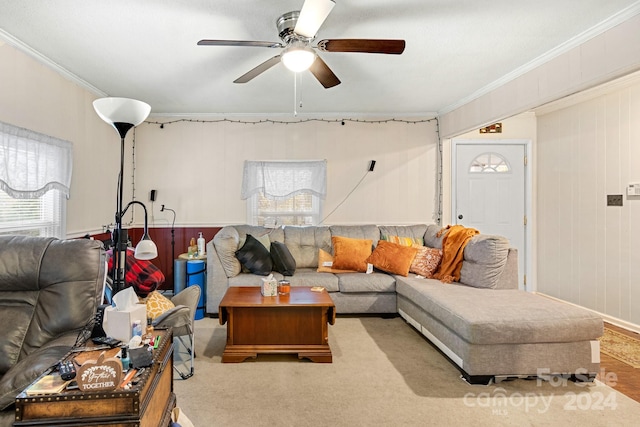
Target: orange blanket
{"points": [[453, 245]]}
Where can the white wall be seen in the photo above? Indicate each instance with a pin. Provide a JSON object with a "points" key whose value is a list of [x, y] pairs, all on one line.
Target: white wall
{"points": [[35, 97], [589, 253], [196, 168]]}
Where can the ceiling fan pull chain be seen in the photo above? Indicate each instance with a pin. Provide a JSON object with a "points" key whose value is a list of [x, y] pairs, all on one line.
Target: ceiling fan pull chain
{"points": [[299, 77], [297, 100], [295, 95]]}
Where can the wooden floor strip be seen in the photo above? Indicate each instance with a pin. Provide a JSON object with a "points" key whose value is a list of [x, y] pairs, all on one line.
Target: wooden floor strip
{"points": [[619, 375]]}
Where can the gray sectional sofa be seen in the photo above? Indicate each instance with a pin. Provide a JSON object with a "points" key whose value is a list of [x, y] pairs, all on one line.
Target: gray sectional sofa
{"points": [[484, 324]]}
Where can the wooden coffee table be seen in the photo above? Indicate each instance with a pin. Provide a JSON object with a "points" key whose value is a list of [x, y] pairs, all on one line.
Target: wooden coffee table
{"points": [[296, 323]]}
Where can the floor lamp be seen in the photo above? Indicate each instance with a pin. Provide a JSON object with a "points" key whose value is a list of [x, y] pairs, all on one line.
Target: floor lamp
{"points": [[124, 114]]}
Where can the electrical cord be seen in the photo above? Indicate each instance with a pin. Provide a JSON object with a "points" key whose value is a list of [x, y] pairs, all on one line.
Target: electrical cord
{"points": [[85, 333], [345, 198]]}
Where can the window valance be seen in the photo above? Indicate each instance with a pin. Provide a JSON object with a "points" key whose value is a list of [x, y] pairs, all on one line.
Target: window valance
{"points": [[279, 180], [32, 163]]}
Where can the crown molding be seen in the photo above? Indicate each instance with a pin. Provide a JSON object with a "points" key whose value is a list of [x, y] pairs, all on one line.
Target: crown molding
{"points": [[589, 94], [565, 47], [23, 47]]}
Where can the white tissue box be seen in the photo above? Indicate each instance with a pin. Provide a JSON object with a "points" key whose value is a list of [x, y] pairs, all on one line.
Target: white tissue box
{"points": [[269, 288], [118, 324]]}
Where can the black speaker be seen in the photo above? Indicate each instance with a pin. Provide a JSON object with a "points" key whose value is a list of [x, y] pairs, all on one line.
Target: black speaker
{"points": [[152, 195]]}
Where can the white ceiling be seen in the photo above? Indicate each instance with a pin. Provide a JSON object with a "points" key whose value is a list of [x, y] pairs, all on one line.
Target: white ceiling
{"points": [[146, 49]]}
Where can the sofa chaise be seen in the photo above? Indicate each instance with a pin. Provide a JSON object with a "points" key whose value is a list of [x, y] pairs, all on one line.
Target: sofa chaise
{"points": [[483, 323]]}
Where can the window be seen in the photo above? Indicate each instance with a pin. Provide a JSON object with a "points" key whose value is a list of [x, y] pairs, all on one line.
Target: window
{"points": [[489, 163], [35, 175], [43, 216], [301, 209], [284, 192]]}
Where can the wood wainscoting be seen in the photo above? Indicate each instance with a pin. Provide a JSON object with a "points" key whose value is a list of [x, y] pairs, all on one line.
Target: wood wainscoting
{"points": [[162, 239]]}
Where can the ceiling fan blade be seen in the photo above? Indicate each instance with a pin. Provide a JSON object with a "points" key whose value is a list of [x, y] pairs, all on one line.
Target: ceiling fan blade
{"points": [[238, 43], [312, 16], [394, 47], [258, 70], [323, 73]]}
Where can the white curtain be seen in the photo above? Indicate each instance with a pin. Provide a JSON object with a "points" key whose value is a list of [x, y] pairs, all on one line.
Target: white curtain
{"points": [[32, 163], [279, 180]]}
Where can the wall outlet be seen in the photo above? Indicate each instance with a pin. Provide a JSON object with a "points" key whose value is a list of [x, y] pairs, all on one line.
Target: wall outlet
{"points": [[614, 199]]}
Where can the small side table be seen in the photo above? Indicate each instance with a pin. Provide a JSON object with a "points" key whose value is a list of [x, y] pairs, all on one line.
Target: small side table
{"points": [[196, 272], [148, 403], [193, 257]]}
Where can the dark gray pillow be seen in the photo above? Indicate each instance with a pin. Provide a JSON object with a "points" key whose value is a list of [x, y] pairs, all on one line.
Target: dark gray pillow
{"points": [[283, 261], [255, 257]]}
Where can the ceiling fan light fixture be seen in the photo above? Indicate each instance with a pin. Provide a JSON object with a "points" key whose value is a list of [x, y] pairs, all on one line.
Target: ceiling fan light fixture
{"points": [[298, 59]]}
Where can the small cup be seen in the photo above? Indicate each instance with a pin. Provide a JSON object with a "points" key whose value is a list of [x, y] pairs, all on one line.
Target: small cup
{"points": [[284, 287]]}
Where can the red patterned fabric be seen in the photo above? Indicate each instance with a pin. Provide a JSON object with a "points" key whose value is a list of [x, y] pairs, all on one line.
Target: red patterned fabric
{"points": [[143, 275]]}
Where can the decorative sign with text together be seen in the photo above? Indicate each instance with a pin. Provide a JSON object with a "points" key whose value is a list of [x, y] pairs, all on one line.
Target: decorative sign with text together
{"points": [[103, 374]]}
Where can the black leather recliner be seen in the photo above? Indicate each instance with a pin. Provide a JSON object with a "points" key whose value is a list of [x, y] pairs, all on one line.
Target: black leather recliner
{"points": [[49, 292]]}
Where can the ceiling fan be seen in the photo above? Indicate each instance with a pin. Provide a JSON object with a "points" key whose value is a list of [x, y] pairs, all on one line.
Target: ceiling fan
{"points": [[298, 30]]}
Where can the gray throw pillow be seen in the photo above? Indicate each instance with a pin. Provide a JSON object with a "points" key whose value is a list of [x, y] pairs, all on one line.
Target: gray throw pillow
{"points": [[227, 242]]}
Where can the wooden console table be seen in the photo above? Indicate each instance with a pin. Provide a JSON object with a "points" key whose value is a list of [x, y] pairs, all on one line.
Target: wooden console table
{"points": [[147, 404], [296, 323]]}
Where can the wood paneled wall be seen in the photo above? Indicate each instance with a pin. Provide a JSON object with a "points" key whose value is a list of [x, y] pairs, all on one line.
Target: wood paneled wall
{"points": [[588, 252], [162, 239]]}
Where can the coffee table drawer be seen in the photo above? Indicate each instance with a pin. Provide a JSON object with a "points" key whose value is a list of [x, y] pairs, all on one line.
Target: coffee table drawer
{"points": [[289, 325]]}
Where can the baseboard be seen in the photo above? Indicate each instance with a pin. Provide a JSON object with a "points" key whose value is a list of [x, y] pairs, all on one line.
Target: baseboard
{"points": [[607, 318]]}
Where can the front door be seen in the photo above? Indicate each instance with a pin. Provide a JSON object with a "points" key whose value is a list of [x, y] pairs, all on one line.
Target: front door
{"points": [[490, 191]]}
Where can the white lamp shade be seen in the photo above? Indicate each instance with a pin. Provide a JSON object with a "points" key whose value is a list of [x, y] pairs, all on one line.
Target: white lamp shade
{"points": [[298, 58], [146, 250], [121, 110]]}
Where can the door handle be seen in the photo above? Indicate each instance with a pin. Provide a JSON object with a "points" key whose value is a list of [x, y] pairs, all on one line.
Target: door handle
{"points": [[460, 216]]}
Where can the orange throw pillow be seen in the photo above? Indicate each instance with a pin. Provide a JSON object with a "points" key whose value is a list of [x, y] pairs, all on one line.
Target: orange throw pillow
{"points": [[325, 257], [392, 257], [350, 254]]}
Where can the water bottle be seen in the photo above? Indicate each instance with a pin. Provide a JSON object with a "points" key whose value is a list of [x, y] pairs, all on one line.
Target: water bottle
{"points": [[137, 328], [201, 244]]}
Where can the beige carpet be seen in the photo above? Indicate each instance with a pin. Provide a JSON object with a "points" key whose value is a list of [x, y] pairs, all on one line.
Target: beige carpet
{"points": [[385, 374], [621, 347]]}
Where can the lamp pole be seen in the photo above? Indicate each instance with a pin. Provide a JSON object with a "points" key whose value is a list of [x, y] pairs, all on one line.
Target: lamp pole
{"points": [[124, 114], [120, 248]]}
